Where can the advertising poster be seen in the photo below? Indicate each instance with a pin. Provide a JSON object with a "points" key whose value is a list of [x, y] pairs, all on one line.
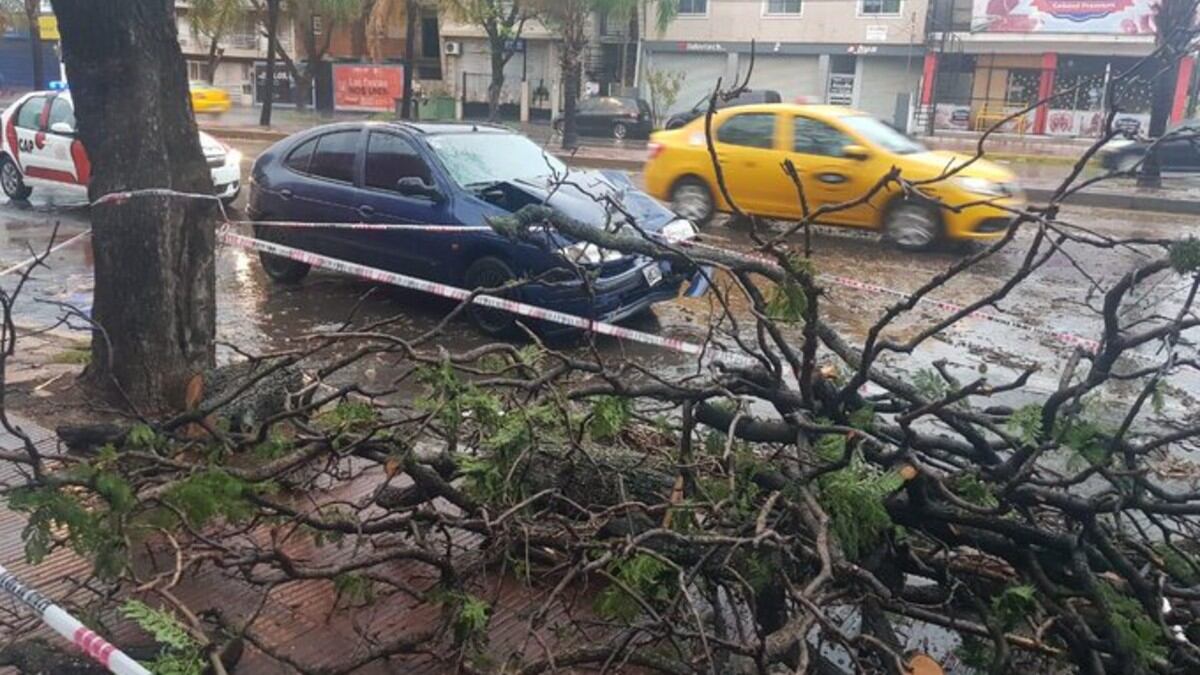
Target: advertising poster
{"points": [[367, 87], [1111, 17]]}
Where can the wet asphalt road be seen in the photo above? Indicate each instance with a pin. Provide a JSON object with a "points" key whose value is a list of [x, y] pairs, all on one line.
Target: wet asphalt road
{"points": [[259, 316]]}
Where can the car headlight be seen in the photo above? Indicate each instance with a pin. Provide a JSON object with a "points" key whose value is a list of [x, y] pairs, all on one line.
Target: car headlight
{"points": [[677, 231], [981, 186], [586, 253]]}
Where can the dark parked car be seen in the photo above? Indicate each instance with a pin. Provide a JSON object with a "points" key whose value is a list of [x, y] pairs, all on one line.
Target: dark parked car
{"points": [[746, 98], [1178, 152], [617, 116], [458, 175]]}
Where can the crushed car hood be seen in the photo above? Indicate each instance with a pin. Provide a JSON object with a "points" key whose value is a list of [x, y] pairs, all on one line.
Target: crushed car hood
{"points": [[585, 195]]}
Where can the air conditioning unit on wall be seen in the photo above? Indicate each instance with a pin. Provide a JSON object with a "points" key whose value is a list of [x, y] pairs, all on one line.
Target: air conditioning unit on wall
{"points": [[453, 48]]}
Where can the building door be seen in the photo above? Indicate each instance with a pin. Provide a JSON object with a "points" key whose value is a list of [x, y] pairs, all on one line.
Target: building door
{"points": [[840, 88]]}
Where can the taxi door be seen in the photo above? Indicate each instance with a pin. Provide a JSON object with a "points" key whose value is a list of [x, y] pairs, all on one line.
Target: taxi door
{"points": [[751, 158], [819, 151], [64, 157]]}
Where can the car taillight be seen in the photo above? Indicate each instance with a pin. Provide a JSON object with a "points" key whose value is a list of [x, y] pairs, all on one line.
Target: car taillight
{"points": [[654, 150]]}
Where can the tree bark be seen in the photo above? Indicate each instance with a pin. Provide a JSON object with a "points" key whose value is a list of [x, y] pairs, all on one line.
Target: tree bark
{"points": [[1171, 22], [497, 83], [32, 10], [154, 278], [571, 86], [411, 16], [214, 57], [272, 48]]}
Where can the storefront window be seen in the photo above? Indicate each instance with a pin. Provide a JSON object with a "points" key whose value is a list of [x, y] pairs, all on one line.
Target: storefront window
{"points": [[1022, 90]]}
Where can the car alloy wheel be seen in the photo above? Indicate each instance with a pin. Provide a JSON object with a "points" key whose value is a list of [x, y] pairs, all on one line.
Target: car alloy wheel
{"points": [[911, 227], [489, 272], [620, 131], [11, 180], [691, 199]]}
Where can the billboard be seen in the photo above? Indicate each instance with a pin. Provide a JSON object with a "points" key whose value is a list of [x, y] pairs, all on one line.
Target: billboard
{"points": [[367, 87], [1110, 17]]}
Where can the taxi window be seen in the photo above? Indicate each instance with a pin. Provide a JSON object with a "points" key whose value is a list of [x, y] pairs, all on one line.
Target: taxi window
{"points": [[752, 130], [30, 115], [813, 137]]}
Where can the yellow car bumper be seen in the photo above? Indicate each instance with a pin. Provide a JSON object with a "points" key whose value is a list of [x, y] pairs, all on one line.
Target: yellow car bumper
{"points": [[211, 105], [981, 222]]}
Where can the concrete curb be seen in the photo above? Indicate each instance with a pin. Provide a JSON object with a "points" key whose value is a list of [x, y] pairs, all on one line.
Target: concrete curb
{"points": [[1100, 199]]}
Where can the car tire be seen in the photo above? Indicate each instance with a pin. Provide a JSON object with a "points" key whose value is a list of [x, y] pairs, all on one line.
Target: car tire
{"points": [[692, 199], [620, 131], [12, 181], [490, 272], [279, 269], [912, 227]]}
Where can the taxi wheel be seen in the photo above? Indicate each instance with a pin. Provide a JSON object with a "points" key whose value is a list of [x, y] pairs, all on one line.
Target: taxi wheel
{"points": [[620, 131], [12, 181], [912, 227], [691, 199], [489, 272]]}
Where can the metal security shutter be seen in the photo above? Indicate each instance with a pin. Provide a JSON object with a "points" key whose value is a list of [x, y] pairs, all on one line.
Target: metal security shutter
{"points": [[791, 76], [701, 74], [882, 79]]}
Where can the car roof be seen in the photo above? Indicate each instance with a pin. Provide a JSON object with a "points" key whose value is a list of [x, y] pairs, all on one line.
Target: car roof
{"points": [[445, 128], [823, 110]]}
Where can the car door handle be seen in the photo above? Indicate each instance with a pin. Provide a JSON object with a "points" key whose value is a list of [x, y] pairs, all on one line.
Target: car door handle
{"points": [[285, 193], [366, 211], [832, 178]]}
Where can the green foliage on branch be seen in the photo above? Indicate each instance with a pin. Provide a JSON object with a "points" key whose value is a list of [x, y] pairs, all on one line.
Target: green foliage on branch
{"points": [[1185, 255], [641, 576], [610, 416], [181, 654], [1140, 635], [213, 494], [853, 498]]}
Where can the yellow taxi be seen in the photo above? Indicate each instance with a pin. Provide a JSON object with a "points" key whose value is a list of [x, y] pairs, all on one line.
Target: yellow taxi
{"points": [[840, 154], [209, 99]]}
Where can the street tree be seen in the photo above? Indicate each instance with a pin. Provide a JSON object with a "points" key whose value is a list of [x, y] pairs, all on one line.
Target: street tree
{"points": [[270, 17], [1175, 29], [571, 21], [211, 20], [316, 21], [503, 21], [154, 300], [636, 15], [387, 13]]}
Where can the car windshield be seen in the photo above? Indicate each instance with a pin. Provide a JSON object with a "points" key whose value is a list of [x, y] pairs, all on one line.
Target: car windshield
{"points": [[484, 159], [882, 135]]}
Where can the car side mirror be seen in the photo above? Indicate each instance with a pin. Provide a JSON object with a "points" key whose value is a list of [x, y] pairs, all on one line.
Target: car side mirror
{"points": [[412, 186], [62, 128], [857, 152]]}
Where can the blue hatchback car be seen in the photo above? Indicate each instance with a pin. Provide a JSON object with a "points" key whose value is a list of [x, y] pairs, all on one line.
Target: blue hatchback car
{"points": [[460, 175]]}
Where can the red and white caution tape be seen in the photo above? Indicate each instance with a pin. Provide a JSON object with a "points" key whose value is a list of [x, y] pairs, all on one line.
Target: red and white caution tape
{"points": [[71, 628], [461, 294], [381, 227], [29, 261]]}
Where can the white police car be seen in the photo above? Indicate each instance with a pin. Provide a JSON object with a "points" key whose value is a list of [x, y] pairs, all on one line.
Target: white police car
{"points": [[40, 148]]}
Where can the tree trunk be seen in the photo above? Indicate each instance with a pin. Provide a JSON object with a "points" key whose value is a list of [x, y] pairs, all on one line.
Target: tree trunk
{"points": [[571, 84], [154, 276], [358, 31], [35, 44], [411, 12], [272, 49], [497, 83], [214, 57], [1166, 70]]}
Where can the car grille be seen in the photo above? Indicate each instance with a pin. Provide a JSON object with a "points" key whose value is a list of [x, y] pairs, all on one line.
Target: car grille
{"points": [[993, 225]]}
